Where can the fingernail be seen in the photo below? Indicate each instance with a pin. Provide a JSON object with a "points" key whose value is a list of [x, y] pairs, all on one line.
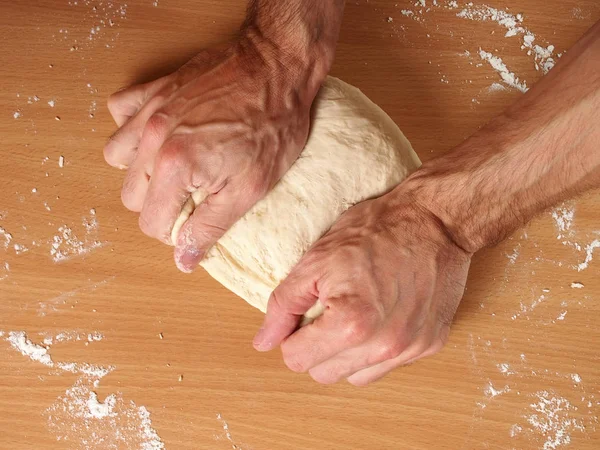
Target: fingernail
{"points": [[187, 259]]}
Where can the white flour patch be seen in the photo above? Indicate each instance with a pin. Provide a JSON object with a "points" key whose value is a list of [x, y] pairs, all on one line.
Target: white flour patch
{"points": [[496, 87], [4, 270], [543, 56], [577, 285], [526, 309], [589, 250], [551, 417], [20, 342], [505, 368], [78, 417], [66, 244], [563, 220], [491, 392], [508, 77], [5, 238], [227, 434]]}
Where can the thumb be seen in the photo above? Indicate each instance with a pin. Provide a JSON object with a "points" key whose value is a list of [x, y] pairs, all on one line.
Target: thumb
{"points": [[208, 222], [287, 305]]}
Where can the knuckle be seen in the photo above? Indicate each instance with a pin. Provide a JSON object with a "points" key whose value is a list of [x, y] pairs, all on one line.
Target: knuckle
{"points": [[157, 125], [171, 157], [392, 348], [356, 330], [256, 189]]}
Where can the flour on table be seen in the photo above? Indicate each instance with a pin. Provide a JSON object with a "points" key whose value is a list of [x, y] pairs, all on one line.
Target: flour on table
{"points": [[550, 415], [79, 417], [66, 244], [507, 76]]}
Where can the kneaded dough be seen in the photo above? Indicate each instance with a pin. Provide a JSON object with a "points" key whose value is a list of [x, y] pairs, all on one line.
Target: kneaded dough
{"points": [[354, 152]]}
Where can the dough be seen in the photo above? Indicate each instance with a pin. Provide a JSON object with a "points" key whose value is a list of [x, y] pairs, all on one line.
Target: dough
{"points": [[354, 152]]}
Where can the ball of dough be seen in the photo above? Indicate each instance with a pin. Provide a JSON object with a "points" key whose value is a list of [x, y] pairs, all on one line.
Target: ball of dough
{"points": [[354, 152]]}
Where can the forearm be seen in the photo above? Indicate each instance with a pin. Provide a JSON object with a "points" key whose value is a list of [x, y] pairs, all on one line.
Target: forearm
{"points": [[298, 36], [542, 150]]}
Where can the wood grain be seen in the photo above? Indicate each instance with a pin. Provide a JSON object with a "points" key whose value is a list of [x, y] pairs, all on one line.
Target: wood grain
{"points": [[129, 290]]}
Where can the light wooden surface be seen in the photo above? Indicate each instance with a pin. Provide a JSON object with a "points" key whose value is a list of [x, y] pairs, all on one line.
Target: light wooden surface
{"points": [[129, 290]]}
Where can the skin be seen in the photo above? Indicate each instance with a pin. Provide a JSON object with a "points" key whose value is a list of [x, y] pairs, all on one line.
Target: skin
{"points": [[392, 271]]}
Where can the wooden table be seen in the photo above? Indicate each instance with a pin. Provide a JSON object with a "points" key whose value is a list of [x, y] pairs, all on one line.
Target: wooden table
{"points": [[521, 370]]}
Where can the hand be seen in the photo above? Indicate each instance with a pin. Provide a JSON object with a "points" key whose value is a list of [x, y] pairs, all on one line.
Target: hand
{"points": [[229, 123], [390, 279]]}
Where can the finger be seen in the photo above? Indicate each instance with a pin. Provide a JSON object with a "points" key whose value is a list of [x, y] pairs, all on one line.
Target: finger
{"points": [[125, 103], [225, 204], [378, 371], [135, 185], [286, 307], [122, 146], [347, 323], [168, 191], [381, 348]]}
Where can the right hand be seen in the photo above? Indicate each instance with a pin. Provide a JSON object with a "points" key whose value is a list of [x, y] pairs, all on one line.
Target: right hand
{"points": [[229, 123]]}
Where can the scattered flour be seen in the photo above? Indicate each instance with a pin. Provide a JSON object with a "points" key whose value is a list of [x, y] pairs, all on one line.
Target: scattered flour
{"points": [[78, 418], [589, 250], [577, 285], [507, 76], [492, 392], [4, 271], [496, 87], [66, 244], [551, 418], [5, 238], [227, 434], [563, 219], [542, 56], [19, 341]]}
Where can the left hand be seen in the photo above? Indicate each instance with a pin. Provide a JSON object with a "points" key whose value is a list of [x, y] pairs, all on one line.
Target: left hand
{"points": [[390, 278]]}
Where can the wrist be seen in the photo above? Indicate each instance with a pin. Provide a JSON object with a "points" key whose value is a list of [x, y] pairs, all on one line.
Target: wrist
{"points": [[469, 191], [294, 37]]}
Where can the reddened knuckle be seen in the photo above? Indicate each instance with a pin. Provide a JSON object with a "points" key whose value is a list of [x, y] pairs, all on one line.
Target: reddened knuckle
{"points": [[157, 125], [170, 157], [256, 189], [392, 348]]}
